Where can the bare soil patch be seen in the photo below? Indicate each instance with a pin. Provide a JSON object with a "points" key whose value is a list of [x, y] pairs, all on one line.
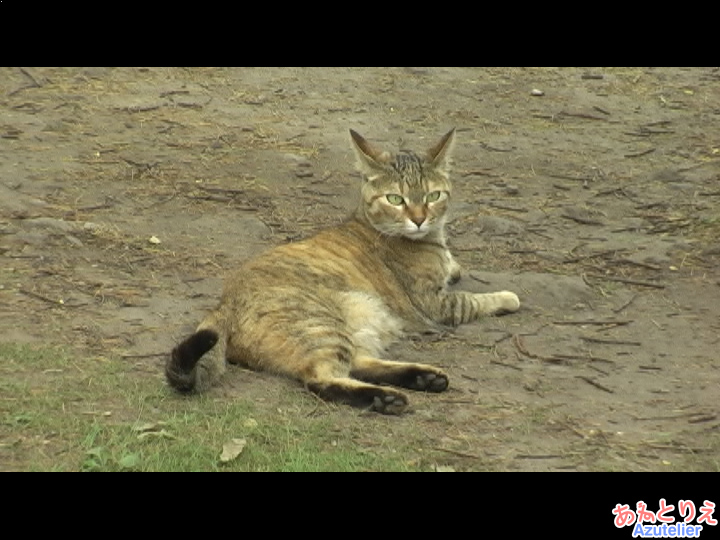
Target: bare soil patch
{"points": [[126, 193]]}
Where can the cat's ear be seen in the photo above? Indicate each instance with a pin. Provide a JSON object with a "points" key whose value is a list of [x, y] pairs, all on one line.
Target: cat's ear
{"points": [[370, 160], [439, 155]]}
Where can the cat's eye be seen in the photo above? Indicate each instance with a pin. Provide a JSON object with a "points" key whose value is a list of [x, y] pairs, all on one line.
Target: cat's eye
{"points": [[395, 200], [433, 196]]}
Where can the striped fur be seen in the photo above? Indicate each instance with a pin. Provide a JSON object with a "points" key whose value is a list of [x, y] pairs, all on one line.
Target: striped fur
{"points": [[323, 310]]}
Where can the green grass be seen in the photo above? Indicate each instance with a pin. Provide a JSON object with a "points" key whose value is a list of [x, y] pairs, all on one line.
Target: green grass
{"points": [[59, 412], [62, 412]]}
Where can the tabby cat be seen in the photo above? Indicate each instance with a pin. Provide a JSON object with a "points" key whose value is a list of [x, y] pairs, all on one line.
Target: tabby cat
{"points": [[322, 310]]}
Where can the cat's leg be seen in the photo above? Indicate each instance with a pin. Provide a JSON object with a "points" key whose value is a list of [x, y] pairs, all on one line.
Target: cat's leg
{"points": [[497, 302], [407, 375], [323, 365], [454, 269], [326, 384], [306, 338], [461, 307]]}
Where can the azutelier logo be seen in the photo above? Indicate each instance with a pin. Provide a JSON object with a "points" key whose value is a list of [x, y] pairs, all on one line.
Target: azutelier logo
{"points": [[649, 524]]}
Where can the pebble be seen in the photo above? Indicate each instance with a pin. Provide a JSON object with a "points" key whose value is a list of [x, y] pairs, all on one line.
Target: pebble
{"points": [[90, 226], [536, 92], [73, 240]]}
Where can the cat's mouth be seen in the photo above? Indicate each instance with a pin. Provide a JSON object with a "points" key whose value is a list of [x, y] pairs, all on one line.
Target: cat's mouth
{"points": [[417, 233], [406, 232]]}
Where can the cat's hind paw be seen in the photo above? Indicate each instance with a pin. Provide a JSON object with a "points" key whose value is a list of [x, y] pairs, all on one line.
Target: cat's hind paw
{"points": [[430, 382], [390, 403]]}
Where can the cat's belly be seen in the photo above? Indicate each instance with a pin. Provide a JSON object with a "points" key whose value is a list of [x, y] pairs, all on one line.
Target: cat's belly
{"points": [[371, 323]]}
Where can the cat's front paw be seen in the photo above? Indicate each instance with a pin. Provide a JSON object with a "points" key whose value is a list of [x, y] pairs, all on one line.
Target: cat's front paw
{"points": [[455, 275], [509, 302], [453, 270]]}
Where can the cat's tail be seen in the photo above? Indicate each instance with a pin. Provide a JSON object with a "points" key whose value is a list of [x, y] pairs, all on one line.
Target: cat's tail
{"points": [[198, 361]]}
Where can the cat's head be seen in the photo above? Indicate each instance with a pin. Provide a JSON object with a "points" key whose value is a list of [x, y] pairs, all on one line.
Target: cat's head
{"points": [[405, 194]]}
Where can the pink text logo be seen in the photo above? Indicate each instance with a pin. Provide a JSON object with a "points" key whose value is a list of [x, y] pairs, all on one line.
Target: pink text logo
{"points": [[661, 524]]}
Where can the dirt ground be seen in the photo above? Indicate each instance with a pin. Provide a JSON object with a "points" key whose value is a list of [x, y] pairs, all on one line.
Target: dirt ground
{"points": [[126, 193]]}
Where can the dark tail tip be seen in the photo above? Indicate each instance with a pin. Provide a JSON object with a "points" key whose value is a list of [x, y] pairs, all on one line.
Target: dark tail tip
{"points": [[188, 352], [186, 355]]}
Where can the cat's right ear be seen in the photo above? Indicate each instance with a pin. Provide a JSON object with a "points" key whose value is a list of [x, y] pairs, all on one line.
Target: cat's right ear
{"points": [[370, 160]]}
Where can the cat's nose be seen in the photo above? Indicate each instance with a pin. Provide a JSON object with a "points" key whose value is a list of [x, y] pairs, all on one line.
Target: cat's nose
{"points": [[418, 220]]}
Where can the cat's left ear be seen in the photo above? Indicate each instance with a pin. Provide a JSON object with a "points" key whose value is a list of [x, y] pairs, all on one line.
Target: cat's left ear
{"points": [[439, 155]]}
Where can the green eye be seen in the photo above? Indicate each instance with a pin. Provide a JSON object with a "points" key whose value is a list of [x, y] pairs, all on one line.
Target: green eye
{"points": [[433, 196], [395, 200]]}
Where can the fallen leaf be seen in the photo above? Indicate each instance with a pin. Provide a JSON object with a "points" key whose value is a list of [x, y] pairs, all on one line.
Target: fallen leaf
{"points": [[95, 452], [154, 240], [162, 434], [129, 461], [148, 426], [250, 423], [232, 449]]}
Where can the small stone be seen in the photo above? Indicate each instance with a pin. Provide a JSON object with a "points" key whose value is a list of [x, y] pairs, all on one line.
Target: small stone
{"points": [[73, 240], [154, 240], [536, 92], [90, 226]]}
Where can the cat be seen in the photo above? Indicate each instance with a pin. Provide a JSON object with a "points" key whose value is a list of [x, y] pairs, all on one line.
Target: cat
{"points": [[323, 310]]}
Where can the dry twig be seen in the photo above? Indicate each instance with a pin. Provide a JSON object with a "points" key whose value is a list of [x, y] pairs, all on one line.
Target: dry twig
{"points": [[596, 384], [628, 281]]}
